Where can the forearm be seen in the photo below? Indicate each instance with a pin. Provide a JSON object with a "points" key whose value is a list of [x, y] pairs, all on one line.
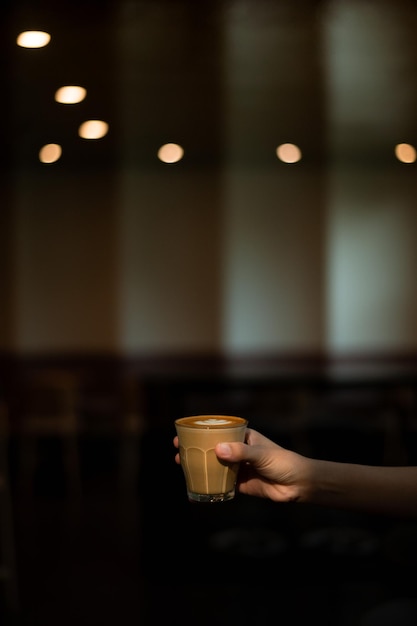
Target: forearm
{"points": [[383, 490]]}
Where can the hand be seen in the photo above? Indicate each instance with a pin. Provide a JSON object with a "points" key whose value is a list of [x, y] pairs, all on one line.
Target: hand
{"points": [[266, 469]]}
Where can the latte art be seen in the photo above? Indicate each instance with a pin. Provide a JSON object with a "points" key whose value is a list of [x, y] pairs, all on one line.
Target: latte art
{"points": [[212, 421]]}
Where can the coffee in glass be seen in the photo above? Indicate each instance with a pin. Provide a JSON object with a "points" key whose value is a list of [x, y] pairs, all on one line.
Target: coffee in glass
{"points": [[207, 478]]}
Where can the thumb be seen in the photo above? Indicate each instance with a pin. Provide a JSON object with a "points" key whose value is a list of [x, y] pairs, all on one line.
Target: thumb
{"points": [[233, 451]]}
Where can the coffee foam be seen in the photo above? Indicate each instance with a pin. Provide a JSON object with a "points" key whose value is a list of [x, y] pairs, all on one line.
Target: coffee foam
{"points": [[212, 421]]}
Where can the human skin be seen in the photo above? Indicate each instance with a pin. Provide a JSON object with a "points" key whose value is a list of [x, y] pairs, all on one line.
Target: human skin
{"points": [[267, 470]]}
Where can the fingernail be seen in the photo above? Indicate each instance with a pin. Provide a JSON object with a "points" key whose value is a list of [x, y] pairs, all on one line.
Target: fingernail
{"points": [[224, 449]]}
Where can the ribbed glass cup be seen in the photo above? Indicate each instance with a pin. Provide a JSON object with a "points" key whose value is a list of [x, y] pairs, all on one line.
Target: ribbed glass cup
{"points": [[207, 478]]}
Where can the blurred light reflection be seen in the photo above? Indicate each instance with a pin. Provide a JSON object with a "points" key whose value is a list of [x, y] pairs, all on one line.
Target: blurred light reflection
{"points": [[50, 153], [170, 153], [33, 39], [288, 153], [405, 152], [93, 129], [70, 94]]}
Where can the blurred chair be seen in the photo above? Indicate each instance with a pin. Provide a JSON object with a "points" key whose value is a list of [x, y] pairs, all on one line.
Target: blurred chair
{"points": [[47, 409], [8, 574]]}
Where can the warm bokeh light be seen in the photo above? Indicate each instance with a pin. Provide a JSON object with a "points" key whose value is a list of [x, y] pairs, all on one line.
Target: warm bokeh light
{"points": [[405, 152], [93, 129], [288, 153], [70, 94], [170, 153], [33, 39], [50, 153]]}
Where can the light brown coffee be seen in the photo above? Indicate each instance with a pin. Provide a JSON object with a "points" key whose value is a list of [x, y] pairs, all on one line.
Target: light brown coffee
{"points": [[207, 478]]}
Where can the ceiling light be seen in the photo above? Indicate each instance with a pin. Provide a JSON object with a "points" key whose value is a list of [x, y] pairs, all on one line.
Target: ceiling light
{"points": [[93, 129], [170, 153], [288, 153], [33, 39], [405, 152], [70, 94], [50, 153]]}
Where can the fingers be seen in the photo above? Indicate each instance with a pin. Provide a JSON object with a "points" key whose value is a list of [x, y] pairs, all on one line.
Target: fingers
{"points": [[177, 455], [256, 444], [232, 451], [236, 451]]}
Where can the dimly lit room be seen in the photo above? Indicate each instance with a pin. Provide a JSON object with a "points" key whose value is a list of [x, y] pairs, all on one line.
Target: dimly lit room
{"points": [[208, 208]]}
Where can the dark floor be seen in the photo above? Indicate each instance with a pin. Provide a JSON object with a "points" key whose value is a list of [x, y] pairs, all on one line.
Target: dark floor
{"points": [[130, 549]]}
